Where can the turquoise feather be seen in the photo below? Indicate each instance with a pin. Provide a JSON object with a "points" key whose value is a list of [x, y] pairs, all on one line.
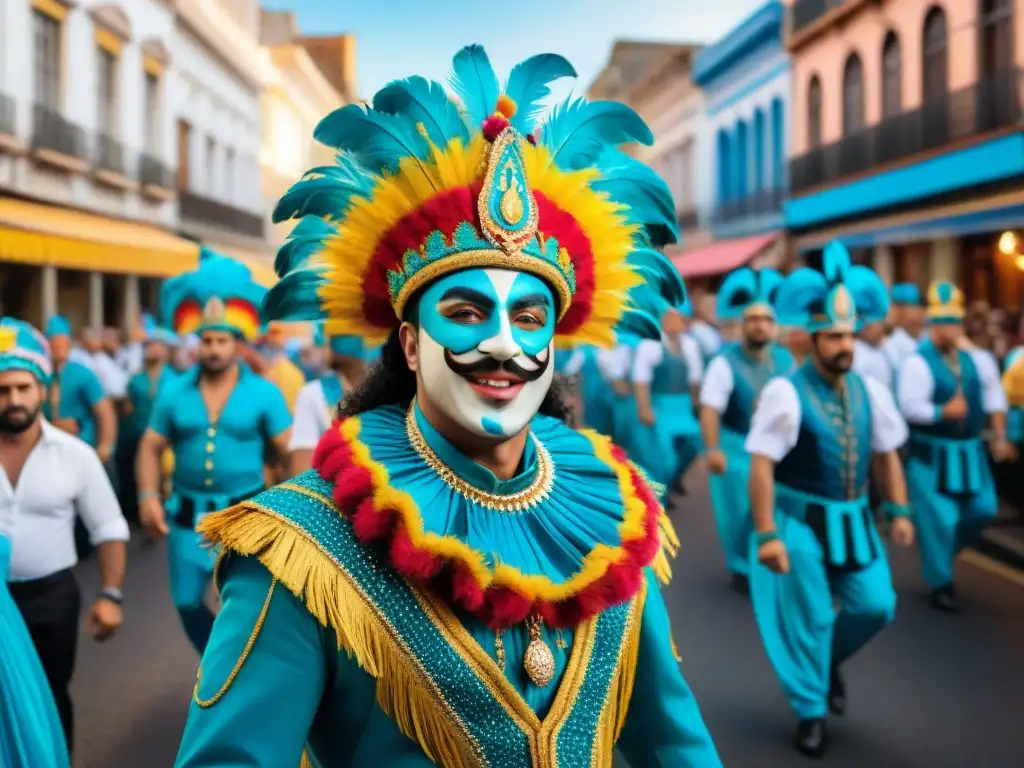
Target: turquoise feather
{"points": [[870, 295], [661, 274], [325, 191], [295, 297], [529, 85], [645, 194], [637, 322], [423, 102], [304, 241], [579, 132], [797, 293], [475, 83], [373, 139], [835, 262]]}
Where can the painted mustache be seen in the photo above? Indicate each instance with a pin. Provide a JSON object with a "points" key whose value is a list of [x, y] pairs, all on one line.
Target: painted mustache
{"points": [[489, 365]]}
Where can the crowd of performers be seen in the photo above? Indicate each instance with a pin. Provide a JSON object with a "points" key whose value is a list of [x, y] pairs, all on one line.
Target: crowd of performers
{"points": [[420, 559]]}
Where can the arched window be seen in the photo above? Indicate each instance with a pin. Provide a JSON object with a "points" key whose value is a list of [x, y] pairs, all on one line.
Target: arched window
{"points": [[892, 74], [778, 142], [742, 155], [814, 113], [853, 95], [759, 147], [724, 167], [995, 41], [935, 55]]}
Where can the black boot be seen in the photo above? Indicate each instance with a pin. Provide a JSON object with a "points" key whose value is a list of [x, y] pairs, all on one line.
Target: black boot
{"points": [[740, 584], [836, 692], [944, 599], [811, 737]]}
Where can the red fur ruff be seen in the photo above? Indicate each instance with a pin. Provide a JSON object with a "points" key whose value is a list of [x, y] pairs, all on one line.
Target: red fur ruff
{"points": [[497, 605]]}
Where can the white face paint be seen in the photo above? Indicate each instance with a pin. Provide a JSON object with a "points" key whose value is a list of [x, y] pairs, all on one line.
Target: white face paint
{"points": [[486, 344]]}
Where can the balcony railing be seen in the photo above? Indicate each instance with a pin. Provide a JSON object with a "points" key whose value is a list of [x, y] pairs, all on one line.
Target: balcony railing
{"points": [[110, 155], [7, 115], [153, 173], [758, 203], [206, 211], [54, 132], [991, 104], [806, 12], [689, 218]]}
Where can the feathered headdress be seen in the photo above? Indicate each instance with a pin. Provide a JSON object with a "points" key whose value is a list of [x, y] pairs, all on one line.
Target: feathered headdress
{"points": [[819, 300], [24, 348], [744, 289], [945, 303], [870, 295], [425, 185], [219, 294]]}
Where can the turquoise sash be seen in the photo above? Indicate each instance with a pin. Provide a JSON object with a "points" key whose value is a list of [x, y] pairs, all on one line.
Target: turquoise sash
{"points": [[842, 526], [957, 463]]}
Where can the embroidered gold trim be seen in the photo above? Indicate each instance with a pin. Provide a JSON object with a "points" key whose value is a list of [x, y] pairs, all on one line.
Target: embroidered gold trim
{"points": [[207, 703], [538, 490]]}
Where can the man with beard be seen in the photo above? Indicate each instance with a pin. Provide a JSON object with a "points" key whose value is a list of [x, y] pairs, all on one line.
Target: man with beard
{"points": [[728, 396], [219, 418], [950, 394], [318, 401], [872, 301], [49, 477], [814, 437], [462, 576]]}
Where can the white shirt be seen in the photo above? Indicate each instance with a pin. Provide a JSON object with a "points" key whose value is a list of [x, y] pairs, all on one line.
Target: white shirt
{"points": [[62, 476], [899, 346], [575, 363], [80, 356], [111, 375], [871, 361], [311, 419], [775, 428], [129, 359], [718, 384], [650, 354], [917, 386]]}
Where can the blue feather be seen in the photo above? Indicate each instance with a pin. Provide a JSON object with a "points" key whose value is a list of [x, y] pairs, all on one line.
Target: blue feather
{"points": [[579, 132], [529, 85], [304, 241], [475, 83], [642, 191], [835, 262], [797, 293], [870, 296], [423, 102], [324, 191], [295, 297], [662, 275], [373, 139], [637, 322]]}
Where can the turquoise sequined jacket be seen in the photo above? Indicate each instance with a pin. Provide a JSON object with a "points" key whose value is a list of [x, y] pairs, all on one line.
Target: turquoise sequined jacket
{"points": [[330, 651]]}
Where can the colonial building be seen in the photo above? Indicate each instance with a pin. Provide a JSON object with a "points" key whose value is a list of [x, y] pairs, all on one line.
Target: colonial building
{"points": [[745, 78], [907, 137], [87, 144]]}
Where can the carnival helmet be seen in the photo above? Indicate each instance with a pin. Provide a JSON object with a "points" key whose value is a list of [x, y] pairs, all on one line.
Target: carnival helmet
{"points": [[945, 303], [219, 295], [870, 296], [426, 186], [23, 348], [745, 289], [819, 299]]}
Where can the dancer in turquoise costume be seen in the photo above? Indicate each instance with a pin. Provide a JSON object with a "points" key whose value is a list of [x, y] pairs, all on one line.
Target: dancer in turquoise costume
{"points": [[814, 436], [618, 371], [462, 579], [590, 364], [666, 376], [31, 735], [316, 406], [950, 395], [732, 383], [219, 418], [871, 298]]}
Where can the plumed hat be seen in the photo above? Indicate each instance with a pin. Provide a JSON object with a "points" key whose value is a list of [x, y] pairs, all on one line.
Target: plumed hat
{"points": [[869, 294], [746, 288], [819, 300]]}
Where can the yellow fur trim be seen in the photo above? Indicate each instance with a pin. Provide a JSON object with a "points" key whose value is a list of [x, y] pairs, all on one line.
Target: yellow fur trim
{"points": [[302, 565], [533, 586]]}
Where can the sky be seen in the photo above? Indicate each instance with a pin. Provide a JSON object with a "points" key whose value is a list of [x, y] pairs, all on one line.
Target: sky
{"points": [[398, 38]]}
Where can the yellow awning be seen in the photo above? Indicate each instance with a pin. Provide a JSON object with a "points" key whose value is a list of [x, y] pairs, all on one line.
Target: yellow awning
{"points": [[260, 264], [35, 233]]}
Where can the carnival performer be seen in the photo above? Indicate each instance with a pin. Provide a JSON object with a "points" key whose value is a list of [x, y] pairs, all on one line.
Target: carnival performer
{"points": [[950, 395], [871, 298], [812, 440], [219, 418], [618, 371], [461, 567], [732, 383], [592, 365], [909, 319], [666, 378], [317, 404]]}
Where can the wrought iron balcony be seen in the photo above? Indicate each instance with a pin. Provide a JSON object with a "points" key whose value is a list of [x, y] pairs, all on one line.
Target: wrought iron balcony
{"points": [[53, 132], [110, 155], [806, 12], [758, 203], [689, 218], [7, 115], [153, 173], [205, 211], [989, 105]]}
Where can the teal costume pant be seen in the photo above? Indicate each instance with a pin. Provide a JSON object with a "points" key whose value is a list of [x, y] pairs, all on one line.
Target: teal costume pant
{"points": [[623, 413], [801, 630], [731, 503], [191, 571], [668, 449], [948, 520]]}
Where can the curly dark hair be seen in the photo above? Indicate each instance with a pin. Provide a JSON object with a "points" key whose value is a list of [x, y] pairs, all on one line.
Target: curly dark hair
{"points": [[389, 381]]}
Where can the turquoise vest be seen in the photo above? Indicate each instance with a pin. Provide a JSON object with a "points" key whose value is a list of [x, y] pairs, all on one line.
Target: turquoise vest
{"points": [[672, 375], [945, 387], [832, 455], [749, 377]]}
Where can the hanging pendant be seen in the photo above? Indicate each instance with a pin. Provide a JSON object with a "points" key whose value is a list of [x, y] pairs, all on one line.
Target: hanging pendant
{"points": [[539, 661]]}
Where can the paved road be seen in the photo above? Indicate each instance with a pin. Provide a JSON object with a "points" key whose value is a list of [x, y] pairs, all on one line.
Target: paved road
{"points": [[933, 691]]}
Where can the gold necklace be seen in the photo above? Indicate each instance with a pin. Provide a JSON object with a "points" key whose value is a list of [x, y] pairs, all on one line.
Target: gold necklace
{"points": [[538, 490], [538, 661]]}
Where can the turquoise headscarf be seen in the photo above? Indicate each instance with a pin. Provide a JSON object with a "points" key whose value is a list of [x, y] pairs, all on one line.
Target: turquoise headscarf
{"points": [[57, 325], [819, 300], [906, 294], [23, 348], [869, 294], [155, 333]]}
